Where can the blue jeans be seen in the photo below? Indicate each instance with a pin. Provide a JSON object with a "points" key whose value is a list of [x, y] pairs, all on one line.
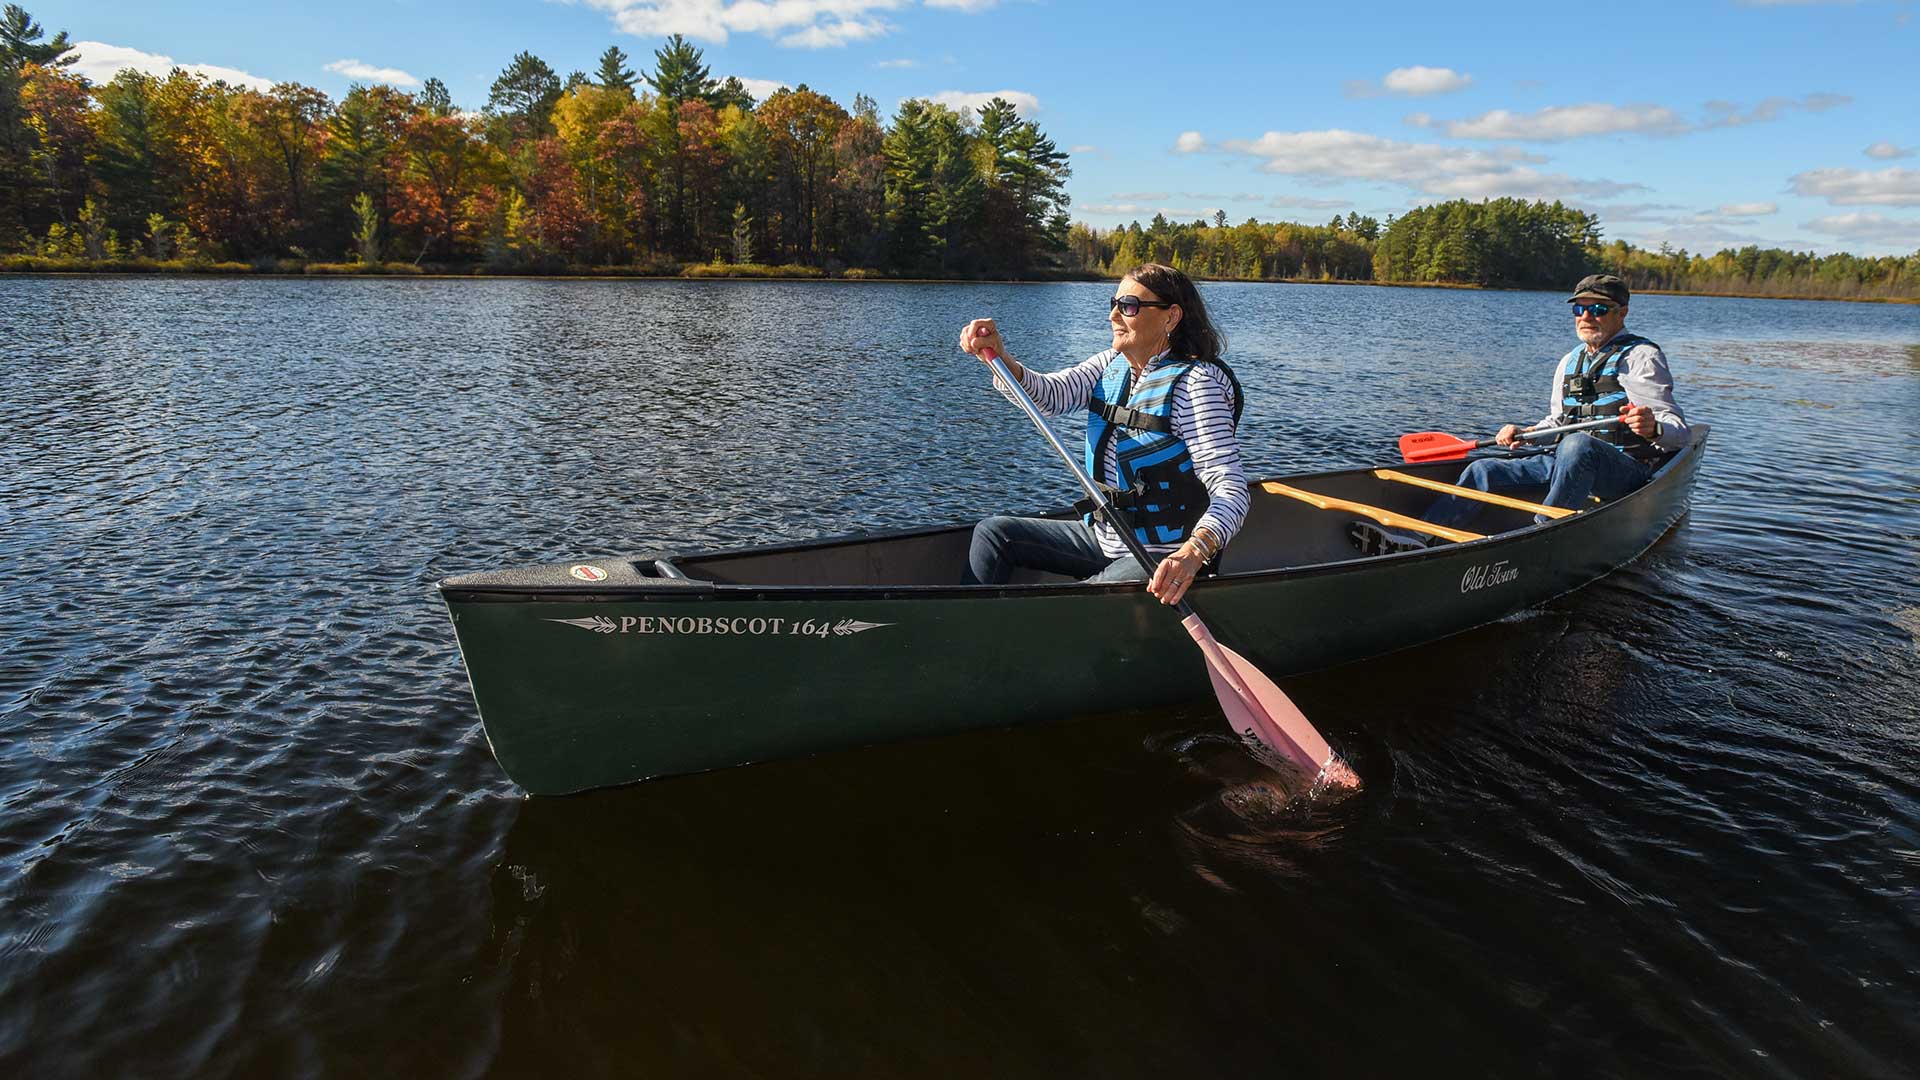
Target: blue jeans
{"points": [[1002, 543], [1579, 467]]}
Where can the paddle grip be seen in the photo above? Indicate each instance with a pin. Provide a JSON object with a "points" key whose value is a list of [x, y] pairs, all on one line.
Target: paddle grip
{"points": [[1114, 515]]}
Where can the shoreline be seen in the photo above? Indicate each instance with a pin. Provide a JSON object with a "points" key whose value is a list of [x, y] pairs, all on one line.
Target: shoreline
{"points": [[800, 274]]}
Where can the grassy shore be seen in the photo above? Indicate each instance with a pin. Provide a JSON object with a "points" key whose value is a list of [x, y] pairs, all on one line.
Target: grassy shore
{"points": [[18, 265]]}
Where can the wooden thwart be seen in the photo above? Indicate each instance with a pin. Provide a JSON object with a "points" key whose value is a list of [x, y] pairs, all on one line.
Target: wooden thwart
{"points": [[1384, 517], [1475, 494]]}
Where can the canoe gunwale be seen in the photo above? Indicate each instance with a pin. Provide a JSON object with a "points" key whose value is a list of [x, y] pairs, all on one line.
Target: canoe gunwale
{"points": [[681, 590]]}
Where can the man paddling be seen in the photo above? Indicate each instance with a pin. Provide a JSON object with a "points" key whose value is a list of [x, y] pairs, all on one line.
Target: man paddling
{"points": [[1610, 372]]}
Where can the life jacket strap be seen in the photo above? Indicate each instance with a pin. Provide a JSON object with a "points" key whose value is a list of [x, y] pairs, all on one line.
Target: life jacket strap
{"points": [[1122, 416]]}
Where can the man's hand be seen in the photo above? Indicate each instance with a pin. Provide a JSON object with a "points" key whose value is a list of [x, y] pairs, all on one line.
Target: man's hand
{"points": [[1639, 420], [1509, 435]]}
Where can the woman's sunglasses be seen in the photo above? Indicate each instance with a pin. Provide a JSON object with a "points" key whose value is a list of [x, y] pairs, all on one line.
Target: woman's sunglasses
{"points": [[1131, 305], [1600, 311]]}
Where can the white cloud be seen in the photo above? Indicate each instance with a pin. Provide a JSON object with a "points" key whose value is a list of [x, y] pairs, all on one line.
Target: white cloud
{"points": [[1422, 81], [1139, 196], [897, 64], [1727, 114], [1559, 122], [1886, 151], [1414, 81], [1569, 122], [1613, 214], [1189, 142], [1303, 202], [835, 34], [1748, 209], [807, 24], [99, 62], [1688, 237], [1441, 171], [762, 89], [967, 100], [1889, 232], [1139, 210], [354, 69], [1858, 187], [1083, 148]]}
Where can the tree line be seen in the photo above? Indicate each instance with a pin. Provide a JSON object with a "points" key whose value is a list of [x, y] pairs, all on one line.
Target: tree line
{"points": [[612, 169], [677, 170], [1500, 243]]}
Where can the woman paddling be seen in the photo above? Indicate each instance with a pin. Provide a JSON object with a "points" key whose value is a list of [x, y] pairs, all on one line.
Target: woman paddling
{"points": [[1161, 412]]}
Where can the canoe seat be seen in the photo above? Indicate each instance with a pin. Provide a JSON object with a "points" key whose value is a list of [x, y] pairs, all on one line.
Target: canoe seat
{"points": [[1385, 517], [1475, 494]]}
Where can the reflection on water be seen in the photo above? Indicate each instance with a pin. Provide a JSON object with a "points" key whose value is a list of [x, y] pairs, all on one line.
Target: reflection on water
{"points": [[1668, 823]]}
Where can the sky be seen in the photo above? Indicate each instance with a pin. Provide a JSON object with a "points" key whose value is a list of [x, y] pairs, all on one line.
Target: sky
{"points": [[1702, 124]]}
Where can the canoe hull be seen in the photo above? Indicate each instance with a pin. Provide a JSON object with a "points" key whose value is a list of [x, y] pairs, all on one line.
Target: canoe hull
{"points": [[589, 687]]}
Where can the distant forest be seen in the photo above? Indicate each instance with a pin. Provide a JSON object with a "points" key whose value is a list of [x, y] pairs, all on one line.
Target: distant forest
{"points": [[675, 171]]}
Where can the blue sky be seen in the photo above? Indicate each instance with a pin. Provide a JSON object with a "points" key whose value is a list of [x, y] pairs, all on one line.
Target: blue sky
{"points": [[1701, 124]]}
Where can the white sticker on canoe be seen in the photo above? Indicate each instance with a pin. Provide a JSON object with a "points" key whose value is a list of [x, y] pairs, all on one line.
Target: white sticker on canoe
{"points": [[587, 572], [1488, 574], [706, 625]]}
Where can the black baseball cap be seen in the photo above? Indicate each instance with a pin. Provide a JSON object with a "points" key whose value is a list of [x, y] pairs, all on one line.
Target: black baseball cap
{"points": [[1600, 287]]}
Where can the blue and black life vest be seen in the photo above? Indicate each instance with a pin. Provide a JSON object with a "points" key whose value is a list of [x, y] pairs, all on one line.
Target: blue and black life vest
{"points": [[1157, 488], [1591, 390]]}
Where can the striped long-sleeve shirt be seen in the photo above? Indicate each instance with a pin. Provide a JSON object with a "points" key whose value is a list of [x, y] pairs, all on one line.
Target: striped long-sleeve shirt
{"points": [[1202, 418]]}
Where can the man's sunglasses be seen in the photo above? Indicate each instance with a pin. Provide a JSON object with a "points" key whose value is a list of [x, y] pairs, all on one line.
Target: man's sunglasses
{"points": [[1131, 305], [1600, 311]]}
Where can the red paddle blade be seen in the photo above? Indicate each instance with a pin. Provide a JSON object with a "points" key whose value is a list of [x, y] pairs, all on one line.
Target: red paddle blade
{"points": [[1433, 446], [1255, 706]]}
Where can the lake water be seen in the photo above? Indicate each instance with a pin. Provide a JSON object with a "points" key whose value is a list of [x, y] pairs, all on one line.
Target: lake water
{"points": [[1667, 825]]}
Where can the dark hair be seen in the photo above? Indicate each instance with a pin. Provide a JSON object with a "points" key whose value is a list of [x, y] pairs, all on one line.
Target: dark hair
{"points": [[1195, 337]]}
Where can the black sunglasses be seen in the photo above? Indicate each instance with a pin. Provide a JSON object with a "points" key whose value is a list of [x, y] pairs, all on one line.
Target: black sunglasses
{"points": [[1131, 305], [1600, 311]]}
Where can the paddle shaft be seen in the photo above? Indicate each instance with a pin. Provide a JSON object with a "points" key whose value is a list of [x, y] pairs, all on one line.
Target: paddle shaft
{"points": [[1252, 703], [1114, 516], [1544, 432]]}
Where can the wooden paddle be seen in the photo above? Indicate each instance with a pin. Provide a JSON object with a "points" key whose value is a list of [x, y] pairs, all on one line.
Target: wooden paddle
{"points": [[1440, 446], [1253, 704]]}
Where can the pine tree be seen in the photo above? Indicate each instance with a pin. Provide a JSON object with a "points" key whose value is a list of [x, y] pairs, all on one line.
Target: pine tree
{"points": [[20, 42], [614, 73], [435, 98], [366, 230], [678, 75], [522, 98]]}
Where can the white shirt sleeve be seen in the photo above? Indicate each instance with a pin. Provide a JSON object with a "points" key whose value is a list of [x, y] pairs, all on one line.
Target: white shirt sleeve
{"points": [[1644, 375], [1203, 419]]}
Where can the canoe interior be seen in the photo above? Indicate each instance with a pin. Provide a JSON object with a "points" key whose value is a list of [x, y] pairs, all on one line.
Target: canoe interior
{"points": [[1279, 532]]}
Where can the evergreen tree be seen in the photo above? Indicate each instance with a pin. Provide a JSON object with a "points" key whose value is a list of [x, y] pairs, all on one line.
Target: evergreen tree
{"points": [[522, 99], [20, 42], [678, 75], [366, 229], [614, 73], [435, 98], [732, 91]]}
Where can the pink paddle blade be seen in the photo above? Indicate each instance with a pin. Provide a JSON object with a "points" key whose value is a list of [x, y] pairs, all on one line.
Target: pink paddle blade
{"points": [[1255, 706]]}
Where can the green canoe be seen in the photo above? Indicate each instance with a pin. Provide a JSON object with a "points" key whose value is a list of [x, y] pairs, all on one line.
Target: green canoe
{"points": [[610, 670]]}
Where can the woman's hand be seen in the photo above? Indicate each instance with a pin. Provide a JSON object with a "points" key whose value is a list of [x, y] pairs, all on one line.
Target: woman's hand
{"points": [[1175, 574], [980, 335]]}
